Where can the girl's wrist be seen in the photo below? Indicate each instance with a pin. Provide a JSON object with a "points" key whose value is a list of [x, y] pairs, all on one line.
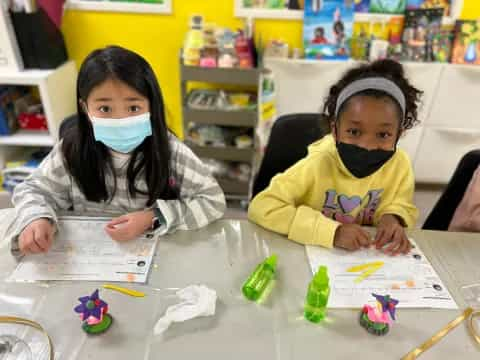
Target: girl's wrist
{"points": [[149, 217], [392, 218]]}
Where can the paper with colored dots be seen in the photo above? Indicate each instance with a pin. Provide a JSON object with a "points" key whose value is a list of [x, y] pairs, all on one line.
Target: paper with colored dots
{"points": [[409, 278], [82, 250]]}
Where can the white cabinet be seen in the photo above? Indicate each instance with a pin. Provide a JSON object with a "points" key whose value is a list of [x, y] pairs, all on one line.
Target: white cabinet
{"points": [[457, 103], [424, 76], [440, 151], [302, 85], [410, 141], [449, 114], [58, 96]]}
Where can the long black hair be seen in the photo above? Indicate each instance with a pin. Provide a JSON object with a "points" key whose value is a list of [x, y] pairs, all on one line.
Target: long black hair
{"points": [[388, 69], [89, 161]]}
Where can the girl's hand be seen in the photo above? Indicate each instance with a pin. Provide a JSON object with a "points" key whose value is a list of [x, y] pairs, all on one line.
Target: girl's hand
{"points": [[130, 226], [351, 237], [37, 237], [390, 230]]}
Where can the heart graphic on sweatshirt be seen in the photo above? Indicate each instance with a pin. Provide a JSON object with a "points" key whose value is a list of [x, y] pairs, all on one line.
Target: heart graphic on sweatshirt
{"points": [[349, 203]]}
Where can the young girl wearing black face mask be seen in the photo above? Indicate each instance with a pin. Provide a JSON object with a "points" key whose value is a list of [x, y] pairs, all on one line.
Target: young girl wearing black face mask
{"points": [[356, 176]]}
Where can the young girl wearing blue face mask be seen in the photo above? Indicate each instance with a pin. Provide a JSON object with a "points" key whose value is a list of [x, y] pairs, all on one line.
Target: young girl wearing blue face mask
{"points": [[118, 159], [356, 176]]}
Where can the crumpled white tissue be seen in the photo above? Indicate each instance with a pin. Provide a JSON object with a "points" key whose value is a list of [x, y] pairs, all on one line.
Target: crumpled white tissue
{"points": [[198, 300]]}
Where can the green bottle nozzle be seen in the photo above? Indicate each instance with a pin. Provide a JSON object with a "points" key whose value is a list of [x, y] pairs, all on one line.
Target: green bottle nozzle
{"points": [[317, 296], [271, 260], [321, 277]]}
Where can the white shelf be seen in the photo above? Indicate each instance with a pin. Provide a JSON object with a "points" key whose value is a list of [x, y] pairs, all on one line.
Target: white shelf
{"points": [[284, 14], [26, 77], [31, 76], [28, 138], [57, 90]]}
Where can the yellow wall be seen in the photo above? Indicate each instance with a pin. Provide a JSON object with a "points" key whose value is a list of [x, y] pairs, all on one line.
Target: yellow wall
{"points": [[159, 38], [471, 9]]}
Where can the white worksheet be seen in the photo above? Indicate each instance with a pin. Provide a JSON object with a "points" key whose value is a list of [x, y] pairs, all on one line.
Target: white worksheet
{"points": [[82, 250], [408, 278]]}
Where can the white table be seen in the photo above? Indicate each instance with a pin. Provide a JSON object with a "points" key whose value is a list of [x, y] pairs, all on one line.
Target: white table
{"points": [[222, 256]]}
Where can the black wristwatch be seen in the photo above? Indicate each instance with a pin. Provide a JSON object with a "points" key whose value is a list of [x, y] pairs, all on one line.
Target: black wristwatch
{"points": [[158, 218]]}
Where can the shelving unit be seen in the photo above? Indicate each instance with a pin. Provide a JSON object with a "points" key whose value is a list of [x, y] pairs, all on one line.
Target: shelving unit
{"points": [[58, 96], [233, 189], [28, 138], [218, 117]]}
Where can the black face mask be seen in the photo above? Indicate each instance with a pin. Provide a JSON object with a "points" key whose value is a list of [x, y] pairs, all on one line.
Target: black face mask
{"points": [[362, 162]]}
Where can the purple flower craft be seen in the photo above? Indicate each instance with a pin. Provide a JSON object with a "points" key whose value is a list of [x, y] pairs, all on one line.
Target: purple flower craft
{"points": [[93, 313]]}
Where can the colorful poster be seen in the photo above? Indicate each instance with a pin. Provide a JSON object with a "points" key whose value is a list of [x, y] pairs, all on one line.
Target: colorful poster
{"points": [[373, 28], [429, 4], [269, 4], [421, 26], [388, 6], [273, 4], [327, 29], [466, 46], [442, 44], [362, 6]]}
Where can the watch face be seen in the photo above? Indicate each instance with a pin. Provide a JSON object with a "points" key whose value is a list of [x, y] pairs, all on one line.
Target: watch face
{"points": [[157, 213], [155, 223]]}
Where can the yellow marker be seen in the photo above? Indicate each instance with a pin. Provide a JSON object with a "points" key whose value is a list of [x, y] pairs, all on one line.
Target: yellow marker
{"points": [[376, 264], [366, 270], [367, 273], [130, 292]]}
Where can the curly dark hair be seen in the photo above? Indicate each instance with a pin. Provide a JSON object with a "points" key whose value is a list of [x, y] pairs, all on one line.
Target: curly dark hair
{"points": [[388, 69]]}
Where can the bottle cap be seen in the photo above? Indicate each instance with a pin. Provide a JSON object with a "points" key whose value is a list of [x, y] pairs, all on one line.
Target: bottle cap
{"points": [[272, 261], [321, 277]]}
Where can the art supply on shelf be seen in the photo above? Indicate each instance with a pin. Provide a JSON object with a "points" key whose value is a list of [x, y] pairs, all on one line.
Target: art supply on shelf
{"points": [[211, 46], [193, 41]]}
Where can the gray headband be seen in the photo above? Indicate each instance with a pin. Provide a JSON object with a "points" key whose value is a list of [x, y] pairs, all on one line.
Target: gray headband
{"points": [[374, 83]]}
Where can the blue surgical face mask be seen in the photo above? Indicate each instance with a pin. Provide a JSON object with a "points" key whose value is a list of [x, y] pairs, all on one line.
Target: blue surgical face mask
{"points": [[122, 135]]}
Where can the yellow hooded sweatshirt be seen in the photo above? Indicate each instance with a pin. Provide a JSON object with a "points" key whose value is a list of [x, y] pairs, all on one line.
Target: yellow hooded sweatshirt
{"points": [[312, 198]]}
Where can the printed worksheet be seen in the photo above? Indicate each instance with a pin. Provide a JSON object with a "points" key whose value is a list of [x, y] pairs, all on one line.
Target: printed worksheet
{"points": [[82, 250], [409, 278]]}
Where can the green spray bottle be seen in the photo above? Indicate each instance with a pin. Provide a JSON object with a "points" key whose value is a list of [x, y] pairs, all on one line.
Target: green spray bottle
{"points": [[258, 281], [317, 296]]}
